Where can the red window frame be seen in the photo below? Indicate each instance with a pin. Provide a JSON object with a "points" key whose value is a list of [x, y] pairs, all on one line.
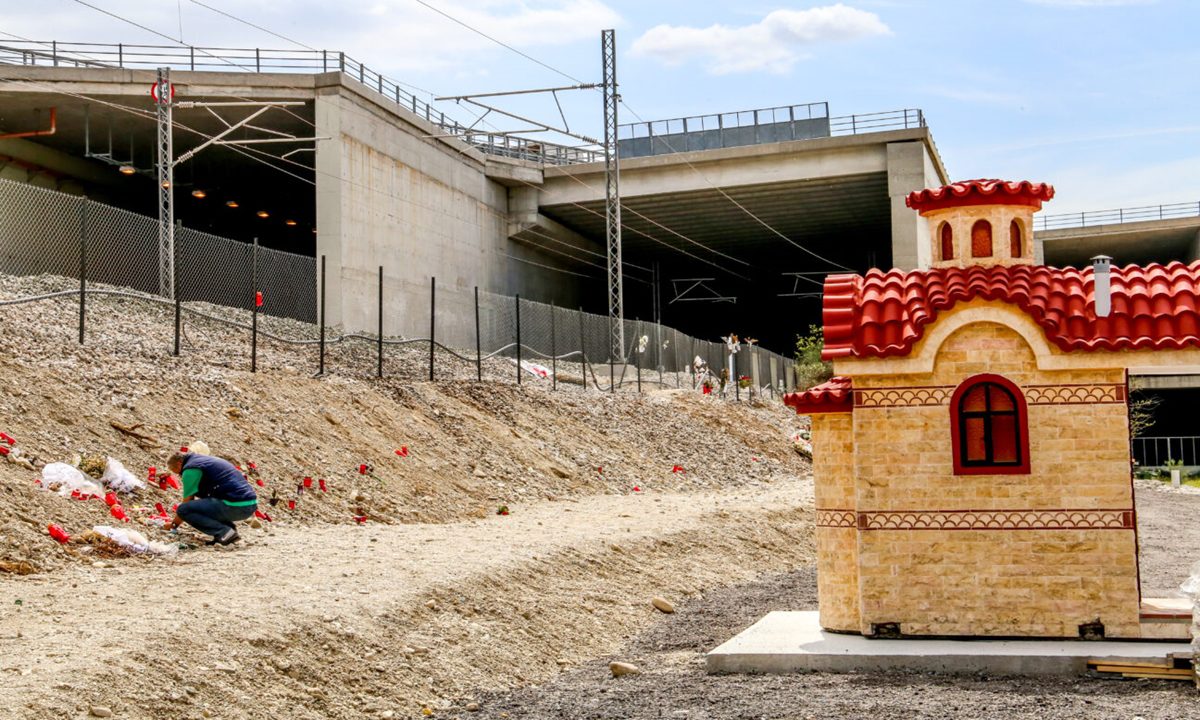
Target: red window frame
{"points": [[957, 436]]}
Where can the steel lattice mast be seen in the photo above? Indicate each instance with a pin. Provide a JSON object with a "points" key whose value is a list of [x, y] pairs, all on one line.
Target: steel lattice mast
{"points": [[166, 186], [612, 197]]}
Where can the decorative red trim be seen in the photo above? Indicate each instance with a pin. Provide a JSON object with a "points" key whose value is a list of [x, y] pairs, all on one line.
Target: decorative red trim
{"points": [[1100, 394], [915, 396], [924, 396], [1022, 428], [1066, 519], [832, 396], [980, 192], [836, 518]]}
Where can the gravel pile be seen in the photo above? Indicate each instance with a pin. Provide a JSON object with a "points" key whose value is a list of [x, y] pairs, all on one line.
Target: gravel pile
{"points": [[471, 447]]}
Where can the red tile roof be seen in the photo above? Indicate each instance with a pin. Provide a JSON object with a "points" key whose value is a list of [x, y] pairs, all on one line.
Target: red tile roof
{"points": [[884, 314], [834, 395], [980, 192]]}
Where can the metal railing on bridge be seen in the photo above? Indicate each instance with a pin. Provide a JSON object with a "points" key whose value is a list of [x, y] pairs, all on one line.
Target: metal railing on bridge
{"points": [[754, 127], [700, 132], [52, 53], [1147, 213]]}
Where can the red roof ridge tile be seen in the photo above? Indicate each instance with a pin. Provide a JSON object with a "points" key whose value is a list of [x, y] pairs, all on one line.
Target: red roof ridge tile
{"points": [[884, 313], [981, 191], [834, 395]]}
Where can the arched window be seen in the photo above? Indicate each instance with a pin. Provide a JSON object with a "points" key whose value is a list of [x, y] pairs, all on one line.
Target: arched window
{"points": [[989, 427], [947, 237], [981, 239], [1014, 239]]}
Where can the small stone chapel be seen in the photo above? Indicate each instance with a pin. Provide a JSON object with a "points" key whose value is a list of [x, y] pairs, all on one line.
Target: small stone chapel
{"points": [[971, 455]]}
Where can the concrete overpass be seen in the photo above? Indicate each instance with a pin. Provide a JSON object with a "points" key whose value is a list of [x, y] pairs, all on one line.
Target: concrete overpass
{"points": [[401, 185], [1141, 235]]}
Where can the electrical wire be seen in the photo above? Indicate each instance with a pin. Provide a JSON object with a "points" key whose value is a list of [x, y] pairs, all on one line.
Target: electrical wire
{"points": [[730, 198], [500, 42], [480, 117], [244, 152]]}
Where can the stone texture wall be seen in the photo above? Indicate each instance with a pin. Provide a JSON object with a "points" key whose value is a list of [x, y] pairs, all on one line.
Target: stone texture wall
{"points": [[836, 535], [994, 555]]}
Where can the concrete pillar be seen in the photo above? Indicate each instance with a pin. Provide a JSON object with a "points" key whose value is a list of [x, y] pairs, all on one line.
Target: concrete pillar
{"points": [[327, 114], [909, 168]]}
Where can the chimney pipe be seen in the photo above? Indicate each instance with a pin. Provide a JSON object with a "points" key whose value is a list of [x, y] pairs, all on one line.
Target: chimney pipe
{"points": [[1101, 276]]}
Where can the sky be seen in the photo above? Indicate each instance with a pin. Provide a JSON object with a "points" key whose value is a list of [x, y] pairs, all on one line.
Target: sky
{"points": [[1097, 97]]}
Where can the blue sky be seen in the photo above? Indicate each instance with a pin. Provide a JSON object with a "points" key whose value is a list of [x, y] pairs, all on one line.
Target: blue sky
{"points": [[1098, 97]]}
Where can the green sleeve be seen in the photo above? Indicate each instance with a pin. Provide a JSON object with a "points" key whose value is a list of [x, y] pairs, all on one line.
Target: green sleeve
{"points": [[191, 481]]}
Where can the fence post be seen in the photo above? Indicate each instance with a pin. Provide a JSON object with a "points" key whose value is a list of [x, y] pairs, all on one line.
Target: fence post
{"points": [[82, 266], [432, 325], [478, 340], [582, 352], [379, 340], [254, 307], [637, 355], [553, 353], [321, 366], [733, 375], [175, 289], [518, 339], [692, 362]]}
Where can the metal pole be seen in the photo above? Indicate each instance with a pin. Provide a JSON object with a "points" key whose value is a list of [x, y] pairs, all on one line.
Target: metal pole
{"points": [[432, 316], [82, 266], [612, 198], [692, 362], [321, 367], [553, 353], [254, 307], [637, 355], [733, 375], [178, 295], [582, 351], [379, 340], [518, 339], [478, 340], [166, 186]]}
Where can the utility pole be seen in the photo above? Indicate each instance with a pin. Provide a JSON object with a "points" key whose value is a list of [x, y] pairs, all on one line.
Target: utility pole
{"points": [[166, 185], [612, 197], [163, 96]]}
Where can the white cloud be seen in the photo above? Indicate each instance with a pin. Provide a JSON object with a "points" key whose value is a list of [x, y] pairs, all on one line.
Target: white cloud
{"points": [[774, 43]]}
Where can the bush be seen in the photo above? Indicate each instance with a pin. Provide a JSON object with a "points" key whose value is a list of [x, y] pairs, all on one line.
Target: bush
{"points": [[810, 368]]}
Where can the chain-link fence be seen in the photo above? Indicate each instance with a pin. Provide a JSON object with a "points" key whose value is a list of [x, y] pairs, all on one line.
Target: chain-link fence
{"points": [[275, 298]]}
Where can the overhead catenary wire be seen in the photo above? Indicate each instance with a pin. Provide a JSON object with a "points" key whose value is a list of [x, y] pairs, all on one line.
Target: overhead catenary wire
{"points": [[480, 117], [391, 215]]}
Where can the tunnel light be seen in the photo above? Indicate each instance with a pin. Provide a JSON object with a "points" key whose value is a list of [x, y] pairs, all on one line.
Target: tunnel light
{"points": [[263, 214], [231, 203], [127, 169], [199, 194], [290, 223]]}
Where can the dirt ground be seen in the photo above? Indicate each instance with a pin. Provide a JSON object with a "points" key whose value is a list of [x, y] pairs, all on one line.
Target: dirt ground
{"points": [[436, 603], [674, 684]]}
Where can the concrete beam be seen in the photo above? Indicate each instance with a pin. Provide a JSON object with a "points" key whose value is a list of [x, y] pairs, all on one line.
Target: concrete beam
{"points": [[729, 167], [56, 161], [1131, 242]]}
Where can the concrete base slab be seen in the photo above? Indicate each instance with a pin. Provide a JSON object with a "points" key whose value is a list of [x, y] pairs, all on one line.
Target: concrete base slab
{"points": [[785, 642]]}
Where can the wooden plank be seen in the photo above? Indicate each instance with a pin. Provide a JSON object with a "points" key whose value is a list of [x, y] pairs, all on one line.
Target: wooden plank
{"points": [[1159, 669], [1130, 665], [1158, 676]]}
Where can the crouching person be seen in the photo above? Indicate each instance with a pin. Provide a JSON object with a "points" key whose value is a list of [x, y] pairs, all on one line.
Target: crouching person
{"points": [[215, 496]]}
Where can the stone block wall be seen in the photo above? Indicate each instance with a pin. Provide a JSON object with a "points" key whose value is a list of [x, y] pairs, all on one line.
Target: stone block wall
{"points": [[1034, 554]]}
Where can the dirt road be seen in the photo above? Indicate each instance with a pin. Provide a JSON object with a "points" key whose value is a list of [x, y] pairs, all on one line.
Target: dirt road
{"points": [[230, 632]]}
